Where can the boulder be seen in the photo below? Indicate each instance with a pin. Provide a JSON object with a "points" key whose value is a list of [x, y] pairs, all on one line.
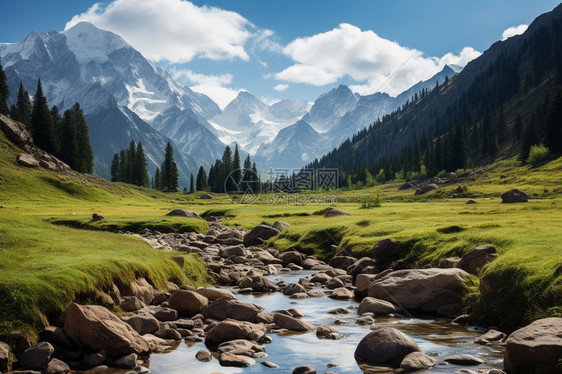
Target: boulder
{"points": [[142, 323], [231, 330], [127, 362], [57, 336], [232, 251], [376, 306], [36, 357], [280, 225], [320, 278], [27, 160], [386, 251], [213, 294], [94, 327], [291, 257], [326, 332], [229, 359], [333, 212], [97, 217], [477, 258], [56, 366], [259, 235], [470, 202], [131, 304], [290, 323], [425, 189], [535, 348], [139, 288], [304, 370], [386, 347], [203, 356], [5, 362], [417, 361], [183, 213], [358, 266], [430, 290], [514, 196], [187, 303], [342, 262], [164, 314], [342, 293], [226, 307], [464, 359], [362, 283], [260, 283], [334, 283], [242, 347], [15, 131], [406, 186], [293, 288]]}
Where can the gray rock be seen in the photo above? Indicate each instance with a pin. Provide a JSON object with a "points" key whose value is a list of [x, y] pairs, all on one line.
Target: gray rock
{"points": [[203, 356], [183, 213], [333, 212], [425, 189], [449, 262], [206, 196], [187, 303], [385, 346], [464, 359], [36, 357], [97, 217], [127, 362], [56, 366], [535, 348], [280, 225], [386, 251], [514, 196], [293, 288], [259, 235], [477, 258], [226, 307], [269, 364], [376, 306], [304, 370], [27, 160], [5, 362], [417, 361], [229, 359]]}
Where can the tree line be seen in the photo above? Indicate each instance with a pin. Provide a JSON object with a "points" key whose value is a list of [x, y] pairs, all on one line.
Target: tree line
{"points": [[228, 174], [129, 166], [65, 136]]}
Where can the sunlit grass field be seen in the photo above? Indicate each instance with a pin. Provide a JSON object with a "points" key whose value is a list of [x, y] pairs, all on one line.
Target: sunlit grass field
{"points": [[43, 266]]}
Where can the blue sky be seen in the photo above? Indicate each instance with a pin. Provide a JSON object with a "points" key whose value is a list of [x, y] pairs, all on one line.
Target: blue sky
{"points": [[287, 48]]}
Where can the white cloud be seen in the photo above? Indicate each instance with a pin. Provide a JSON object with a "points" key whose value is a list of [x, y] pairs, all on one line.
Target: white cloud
{"points": [[175, 30], [213, 86], [281, 87], [514, 30], [374, 63]]}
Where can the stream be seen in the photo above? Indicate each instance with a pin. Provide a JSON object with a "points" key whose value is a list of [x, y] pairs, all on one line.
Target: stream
{"points": [[436, 337]]}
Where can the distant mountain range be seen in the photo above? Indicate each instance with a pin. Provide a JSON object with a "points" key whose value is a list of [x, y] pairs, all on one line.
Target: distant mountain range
{"points": [[128, 97]]}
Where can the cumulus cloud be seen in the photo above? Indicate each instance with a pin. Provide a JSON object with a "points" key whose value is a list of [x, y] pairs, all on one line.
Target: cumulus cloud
{"points": [[375, 63], [214, 86], [175, 30], [513, 30], [281, 87]]}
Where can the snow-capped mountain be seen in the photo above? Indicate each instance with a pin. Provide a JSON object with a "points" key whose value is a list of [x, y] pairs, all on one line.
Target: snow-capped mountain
{"points": [[107, 76], [330, 107], [293, 147], [336, 116], [251, 123]]}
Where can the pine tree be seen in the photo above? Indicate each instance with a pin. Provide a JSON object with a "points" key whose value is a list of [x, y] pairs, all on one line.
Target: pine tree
{"points": [[132, 176], [4, 91], [246, 174], [141, 166], [69, 145], [226, 178], [23, 108], [201, 183], [169, 170], [41, 123], [236, 167], [191, 184], [115, 168], [85, 153], [256, 179], [157, 181], [122, 166], [57, 126]]}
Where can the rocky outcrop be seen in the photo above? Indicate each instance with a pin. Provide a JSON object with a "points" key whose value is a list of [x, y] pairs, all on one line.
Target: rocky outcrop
{"points": [[386, 347], [429, 290], [535, 348], [426, 188], [27, 160], [94, 327]]}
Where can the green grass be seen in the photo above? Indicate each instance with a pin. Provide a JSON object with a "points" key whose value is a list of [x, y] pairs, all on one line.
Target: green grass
{"points": [[43, 266]]}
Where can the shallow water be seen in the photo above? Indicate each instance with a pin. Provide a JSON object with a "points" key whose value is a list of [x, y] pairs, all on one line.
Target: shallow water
{"points": [[436, 337]]}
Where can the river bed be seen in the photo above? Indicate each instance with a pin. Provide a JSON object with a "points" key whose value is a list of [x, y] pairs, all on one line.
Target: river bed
{"points": [[436, 337]]}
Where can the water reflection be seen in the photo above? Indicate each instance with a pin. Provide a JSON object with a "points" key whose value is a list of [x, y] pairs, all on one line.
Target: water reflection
{"points": [[436, 337]]}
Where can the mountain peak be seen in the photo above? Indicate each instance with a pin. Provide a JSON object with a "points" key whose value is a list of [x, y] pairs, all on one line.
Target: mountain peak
{"points": [[89, 43]]}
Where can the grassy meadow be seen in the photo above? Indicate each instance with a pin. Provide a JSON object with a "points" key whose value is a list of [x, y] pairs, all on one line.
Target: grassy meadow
{"points": [[44, 265]]}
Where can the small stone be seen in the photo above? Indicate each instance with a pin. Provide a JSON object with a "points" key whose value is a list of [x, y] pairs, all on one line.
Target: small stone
{"points": [[203, 356], [270, 365], [464, 359], [304, 370]]}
